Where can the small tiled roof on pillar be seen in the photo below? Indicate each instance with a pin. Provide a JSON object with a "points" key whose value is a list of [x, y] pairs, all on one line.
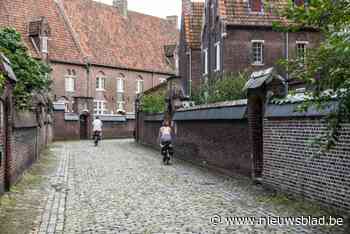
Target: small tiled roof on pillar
{"points": [[263, 77]]}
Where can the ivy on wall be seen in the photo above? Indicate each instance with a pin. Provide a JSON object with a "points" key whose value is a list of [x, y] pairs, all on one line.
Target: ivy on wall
{"points": [[32, 75], [326, 69]]}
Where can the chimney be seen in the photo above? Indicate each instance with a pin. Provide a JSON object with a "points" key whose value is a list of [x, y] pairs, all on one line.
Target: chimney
{"points": [[173, 20], [122, 5], [186, 7]]}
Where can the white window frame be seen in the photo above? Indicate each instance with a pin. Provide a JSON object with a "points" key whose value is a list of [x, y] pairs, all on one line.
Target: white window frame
{"points": [[205, 51], [101, 83], [218, 56], [139, 86], [69, 80], [120, 85], [100, 107], [261, 61], [120, 90], [305, 44], [44, 44]]}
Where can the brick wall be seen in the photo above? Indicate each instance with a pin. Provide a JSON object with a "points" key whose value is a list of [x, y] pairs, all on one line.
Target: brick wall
{"points": [[70, 129], [2, 148], [210, 136], [223, 144], [24, 142], [114, 129], [148, 128], [292, 165]]}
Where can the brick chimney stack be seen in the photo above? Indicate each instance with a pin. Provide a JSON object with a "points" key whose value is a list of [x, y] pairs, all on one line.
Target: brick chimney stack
{"points": [[173, 20], [122, 5]]}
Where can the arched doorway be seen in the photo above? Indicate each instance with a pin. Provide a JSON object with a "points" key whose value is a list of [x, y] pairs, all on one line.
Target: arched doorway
{"points": [[84, 126]]}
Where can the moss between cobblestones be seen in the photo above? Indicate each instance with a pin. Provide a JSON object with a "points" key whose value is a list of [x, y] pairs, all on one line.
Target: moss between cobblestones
{"points": [[300, 207], [19, 207]]}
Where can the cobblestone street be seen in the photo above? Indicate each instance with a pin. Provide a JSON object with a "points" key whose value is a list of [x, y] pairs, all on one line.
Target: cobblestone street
{"points": [[121, 187]]}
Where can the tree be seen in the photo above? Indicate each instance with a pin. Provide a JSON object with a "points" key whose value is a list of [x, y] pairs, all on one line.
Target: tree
{"points": [[326, 70], [32, 75]]}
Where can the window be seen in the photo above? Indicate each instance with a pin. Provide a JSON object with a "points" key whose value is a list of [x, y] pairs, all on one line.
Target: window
{"points": [[255, 5], [100, 82], [70, 78], [139, 85], [100, 107], [120, 93], [44, 45], [258, 52], [218, 56], [205, 60], [301, 50]]}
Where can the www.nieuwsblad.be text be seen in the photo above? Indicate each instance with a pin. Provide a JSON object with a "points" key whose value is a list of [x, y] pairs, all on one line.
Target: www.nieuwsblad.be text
{"points": [[275, 220]]}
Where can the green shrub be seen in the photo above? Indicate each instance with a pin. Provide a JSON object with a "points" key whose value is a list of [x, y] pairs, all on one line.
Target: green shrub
{"points": [[32, 75], [153, 103], [226, 88]]}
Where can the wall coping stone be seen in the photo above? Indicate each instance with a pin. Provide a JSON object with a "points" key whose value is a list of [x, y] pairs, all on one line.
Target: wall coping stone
{"points": [[71, 117], [25, 119], [113, 118], [232, 112], [154, 117], [289, 110], [58, 106], [242, 102]]}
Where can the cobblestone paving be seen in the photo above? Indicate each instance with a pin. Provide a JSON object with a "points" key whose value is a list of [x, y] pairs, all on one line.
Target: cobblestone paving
{"points": [[121, 187]]}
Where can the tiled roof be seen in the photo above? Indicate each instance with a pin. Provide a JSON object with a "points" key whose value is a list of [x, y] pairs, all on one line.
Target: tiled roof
{"points": [[237, 12], [108, 38], [18, 14], [85, 28], [193, 24]]}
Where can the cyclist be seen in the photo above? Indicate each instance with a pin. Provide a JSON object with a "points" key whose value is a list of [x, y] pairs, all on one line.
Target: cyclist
{"points": [[165, 139], [97, 129]]}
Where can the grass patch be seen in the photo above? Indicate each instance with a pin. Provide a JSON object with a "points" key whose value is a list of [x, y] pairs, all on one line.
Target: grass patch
{"points": [[19, 207]]}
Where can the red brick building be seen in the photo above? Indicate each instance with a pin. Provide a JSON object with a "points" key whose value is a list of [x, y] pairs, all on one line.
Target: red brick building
{"points": [[238, 35], [95, 50]]}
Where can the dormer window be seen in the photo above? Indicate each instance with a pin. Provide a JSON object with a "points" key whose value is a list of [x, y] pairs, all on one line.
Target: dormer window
{"points": [[256, 5]]}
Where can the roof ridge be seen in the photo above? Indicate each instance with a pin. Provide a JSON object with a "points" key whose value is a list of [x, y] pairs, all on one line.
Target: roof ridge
{"points": [[70, 29]]}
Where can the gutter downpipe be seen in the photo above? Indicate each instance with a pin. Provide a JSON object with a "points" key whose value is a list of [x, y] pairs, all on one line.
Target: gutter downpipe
{"points": [[190, 77], [287, 53]]}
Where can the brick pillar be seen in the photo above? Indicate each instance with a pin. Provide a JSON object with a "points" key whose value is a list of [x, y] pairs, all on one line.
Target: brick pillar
{"points": [[9, 161], [256, 109]]}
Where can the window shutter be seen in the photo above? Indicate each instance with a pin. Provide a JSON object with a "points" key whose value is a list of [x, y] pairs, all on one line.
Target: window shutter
{"points": [[262, 53]]}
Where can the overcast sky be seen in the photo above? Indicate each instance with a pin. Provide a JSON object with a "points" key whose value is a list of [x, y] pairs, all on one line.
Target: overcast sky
{"points": [[160, 8]]}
